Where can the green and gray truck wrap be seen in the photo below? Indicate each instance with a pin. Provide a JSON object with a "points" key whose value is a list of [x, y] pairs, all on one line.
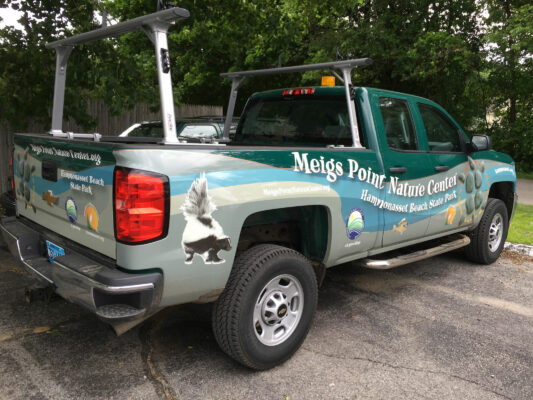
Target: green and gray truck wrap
{"points": [[127, 228]]}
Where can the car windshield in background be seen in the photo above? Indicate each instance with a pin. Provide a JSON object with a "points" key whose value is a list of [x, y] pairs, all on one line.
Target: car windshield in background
{"points": [[309, 120], [188, 130], [199, 131], [151, 130]]}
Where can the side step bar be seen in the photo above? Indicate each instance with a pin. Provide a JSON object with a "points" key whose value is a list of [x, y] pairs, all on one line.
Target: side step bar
{"points": [[403, 259]]}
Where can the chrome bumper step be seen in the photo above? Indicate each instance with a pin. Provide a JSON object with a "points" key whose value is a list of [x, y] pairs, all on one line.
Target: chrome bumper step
{"points": [[457, 242]]}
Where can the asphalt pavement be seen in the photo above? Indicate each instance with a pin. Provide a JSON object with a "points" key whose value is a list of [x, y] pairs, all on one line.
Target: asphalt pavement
{"points": [[525, 191], [439, 329]]}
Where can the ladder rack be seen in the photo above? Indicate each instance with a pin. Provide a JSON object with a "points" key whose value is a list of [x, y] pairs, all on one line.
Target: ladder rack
{"points": [[345, 66], [155, 26]]}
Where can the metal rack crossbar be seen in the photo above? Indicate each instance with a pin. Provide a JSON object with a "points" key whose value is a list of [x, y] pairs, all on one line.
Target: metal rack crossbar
{"points": [[345, 66], [155, 26]]}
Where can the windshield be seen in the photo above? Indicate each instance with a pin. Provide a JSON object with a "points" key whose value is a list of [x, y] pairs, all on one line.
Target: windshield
{"points": [[199, 131], [185, 130], [312, 120], [148, 130]]}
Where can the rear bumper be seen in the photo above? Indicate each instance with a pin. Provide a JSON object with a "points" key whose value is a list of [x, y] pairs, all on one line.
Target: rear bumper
{"points": [[115, 296]]}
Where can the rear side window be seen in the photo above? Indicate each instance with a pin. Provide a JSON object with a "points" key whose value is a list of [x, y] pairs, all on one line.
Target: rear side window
{"points": [[310, 120], [442, 134], [399, 128]]}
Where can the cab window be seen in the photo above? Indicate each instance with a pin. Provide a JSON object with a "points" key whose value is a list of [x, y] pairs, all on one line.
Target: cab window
{"points": [[442, 134], [399, 128], [296, 120]]}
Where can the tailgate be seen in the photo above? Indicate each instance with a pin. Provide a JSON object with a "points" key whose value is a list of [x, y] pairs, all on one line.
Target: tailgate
{"points": [[67, 187]]}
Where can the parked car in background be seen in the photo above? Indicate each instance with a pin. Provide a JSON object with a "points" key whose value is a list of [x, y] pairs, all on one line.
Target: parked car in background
{"points": [[209, 127]]}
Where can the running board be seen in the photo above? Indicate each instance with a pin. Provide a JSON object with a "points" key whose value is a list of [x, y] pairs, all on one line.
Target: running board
{"points": [[394, 262]]}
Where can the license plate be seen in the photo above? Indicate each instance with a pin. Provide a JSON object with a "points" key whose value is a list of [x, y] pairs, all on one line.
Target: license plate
{"points": [[54, 251]]}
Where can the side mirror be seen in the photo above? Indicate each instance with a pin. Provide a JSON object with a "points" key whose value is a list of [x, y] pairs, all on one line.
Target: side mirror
{"points": [[481, 142]]}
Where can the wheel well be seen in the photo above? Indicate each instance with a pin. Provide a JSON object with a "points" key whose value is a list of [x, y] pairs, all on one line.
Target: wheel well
{"points": [[304, 229], [504, 192]]}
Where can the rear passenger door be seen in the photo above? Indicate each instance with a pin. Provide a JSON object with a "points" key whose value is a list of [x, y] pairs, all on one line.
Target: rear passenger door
{"points": [[406, 165], [447, 155]]}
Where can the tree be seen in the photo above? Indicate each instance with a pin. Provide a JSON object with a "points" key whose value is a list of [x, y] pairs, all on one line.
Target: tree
{"points": [[27, 68], [445, 50], [510, 52], [427, 48]]}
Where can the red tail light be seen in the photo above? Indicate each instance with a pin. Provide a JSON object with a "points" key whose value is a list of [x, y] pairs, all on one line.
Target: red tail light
{"points": [[12, 173], [142, 205], [298, 92]]}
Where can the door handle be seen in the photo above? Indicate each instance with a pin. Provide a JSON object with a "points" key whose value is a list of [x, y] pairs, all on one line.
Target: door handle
{"points": [[397, 170], [441, 168]]}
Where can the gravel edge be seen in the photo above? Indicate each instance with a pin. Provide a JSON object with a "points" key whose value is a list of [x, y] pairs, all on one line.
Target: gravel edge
{"points": [[519, 248]]}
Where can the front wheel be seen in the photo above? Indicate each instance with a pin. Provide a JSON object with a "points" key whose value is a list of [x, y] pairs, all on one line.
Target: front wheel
{"points": [[265, 312], [488, 239]]}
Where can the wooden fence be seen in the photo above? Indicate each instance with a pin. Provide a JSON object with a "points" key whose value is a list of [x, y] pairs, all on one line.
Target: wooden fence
{"points": [[108, 125]]}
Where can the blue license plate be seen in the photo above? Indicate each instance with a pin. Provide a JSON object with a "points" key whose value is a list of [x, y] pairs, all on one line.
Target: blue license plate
{"points": [[54, 251]]}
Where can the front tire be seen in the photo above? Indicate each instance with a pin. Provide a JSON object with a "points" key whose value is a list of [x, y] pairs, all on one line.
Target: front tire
{"points": [[488, 239], [265, 312]]}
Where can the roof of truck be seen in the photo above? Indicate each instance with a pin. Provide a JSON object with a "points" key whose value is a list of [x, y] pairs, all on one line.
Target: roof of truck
{"points": [[318, 91], [335, 91]]}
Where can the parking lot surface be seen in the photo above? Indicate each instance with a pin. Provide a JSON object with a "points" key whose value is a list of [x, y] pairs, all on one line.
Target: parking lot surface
{"points": [[439, 329]]}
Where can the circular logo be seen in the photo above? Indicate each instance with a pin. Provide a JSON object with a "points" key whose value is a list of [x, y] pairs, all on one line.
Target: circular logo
{"points": [[91, 217], [70, 208], [355, 224]]}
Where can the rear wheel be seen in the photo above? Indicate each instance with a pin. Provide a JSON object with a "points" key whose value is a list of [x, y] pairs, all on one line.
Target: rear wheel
{"points": [[266, 309], [488, 238]]}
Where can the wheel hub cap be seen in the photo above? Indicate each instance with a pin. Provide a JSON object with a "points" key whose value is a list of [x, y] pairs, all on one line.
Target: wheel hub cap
{"points": [[495, 232], [274, 307], [278, 310]]}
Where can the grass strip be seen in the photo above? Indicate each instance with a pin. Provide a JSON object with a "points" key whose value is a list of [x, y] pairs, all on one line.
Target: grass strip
{"points": [[521, 229]]}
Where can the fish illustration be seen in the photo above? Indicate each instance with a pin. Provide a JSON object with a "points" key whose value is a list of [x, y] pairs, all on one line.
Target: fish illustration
{"points": [[49, 197], [401, 227], [450, 215]]}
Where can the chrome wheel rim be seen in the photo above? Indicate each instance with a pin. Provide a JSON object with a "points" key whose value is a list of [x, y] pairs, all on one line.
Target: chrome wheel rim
{"points": [[278, 310], [495, 232]]}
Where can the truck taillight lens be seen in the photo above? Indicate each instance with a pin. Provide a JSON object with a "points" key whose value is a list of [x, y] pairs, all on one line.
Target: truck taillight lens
{"points": [[142, 205]]}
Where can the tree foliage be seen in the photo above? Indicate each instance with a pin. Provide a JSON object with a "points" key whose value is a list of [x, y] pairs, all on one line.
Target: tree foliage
{"points": [[27, 67], [510, 77], [474, 57]]}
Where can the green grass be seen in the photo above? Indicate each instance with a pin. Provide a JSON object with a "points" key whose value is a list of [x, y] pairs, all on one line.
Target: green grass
{"points": [[521, 229], [524, 175]]}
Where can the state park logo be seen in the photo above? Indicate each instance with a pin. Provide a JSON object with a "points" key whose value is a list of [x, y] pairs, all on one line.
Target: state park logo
{"points": [[71, 209], [355, 224], [91, 217]]}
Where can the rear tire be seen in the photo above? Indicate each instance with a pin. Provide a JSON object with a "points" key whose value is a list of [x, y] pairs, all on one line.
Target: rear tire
{"points": [[488, 239], [265, 312]]}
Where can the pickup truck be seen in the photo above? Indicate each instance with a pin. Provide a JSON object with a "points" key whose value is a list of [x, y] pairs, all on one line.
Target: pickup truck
{"points": [[314, 177]]}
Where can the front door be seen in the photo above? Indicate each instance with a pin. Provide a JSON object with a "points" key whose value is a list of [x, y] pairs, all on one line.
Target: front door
{"points": [[453, 190]]}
